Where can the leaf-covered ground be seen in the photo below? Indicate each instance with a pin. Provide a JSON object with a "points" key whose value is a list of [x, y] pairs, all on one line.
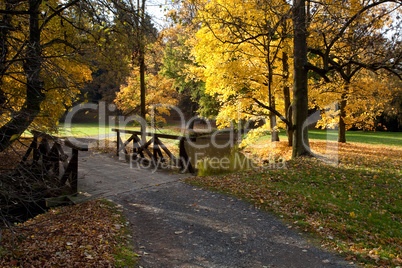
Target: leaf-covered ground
{"points": [[92, 234], [355, 208]]}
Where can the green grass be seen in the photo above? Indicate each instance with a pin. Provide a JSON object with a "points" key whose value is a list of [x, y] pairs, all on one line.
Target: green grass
{"points": [[368, 137], [354, 208], [84, 129], [93, 129]]}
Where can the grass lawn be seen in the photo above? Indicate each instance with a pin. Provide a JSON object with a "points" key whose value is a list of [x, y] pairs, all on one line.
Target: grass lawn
{"points": [[93, 129], [354, 208], [384, 138], [369, 137]]}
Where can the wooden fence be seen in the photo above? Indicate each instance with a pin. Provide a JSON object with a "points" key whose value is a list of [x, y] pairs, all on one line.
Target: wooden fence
{"points": [[48, 151], [156, 156]]}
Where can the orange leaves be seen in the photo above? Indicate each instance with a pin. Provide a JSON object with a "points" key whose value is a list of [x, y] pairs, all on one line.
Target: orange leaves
{"points": [[160, 92], [81, 235]]}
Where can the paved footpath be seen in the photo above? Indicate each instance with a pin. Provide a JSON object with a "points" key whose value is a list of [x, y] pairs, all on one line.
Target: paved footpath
{"points": [[178, 225]]}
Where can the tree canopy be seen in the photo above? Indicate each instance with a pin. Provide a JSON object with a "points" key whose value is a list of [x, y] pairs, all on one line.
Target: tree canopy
{"points": [[243, 61]]}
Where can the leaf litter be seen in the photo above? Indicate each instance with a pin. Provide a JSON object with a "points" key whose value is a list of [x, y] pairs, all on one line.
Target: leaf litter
{"points": [[90, 234]]}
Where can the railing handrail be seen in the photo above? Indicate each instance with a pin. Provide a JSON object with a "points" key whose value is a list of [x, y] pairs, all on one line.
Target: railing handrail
{"points": [[151, 134], [59, 140], [183, 161]]}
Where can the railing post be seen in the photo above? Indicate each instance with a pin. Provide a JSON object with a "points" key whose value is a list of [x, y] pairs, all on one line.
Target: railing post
{"points": [[118, 142], [184, 160], [74, 171], [139, 147]]}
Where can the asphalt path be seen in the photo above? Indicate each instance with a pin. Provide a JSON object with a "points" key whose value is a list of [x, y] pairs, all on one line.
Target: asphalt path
{"points": [[177, 225]]}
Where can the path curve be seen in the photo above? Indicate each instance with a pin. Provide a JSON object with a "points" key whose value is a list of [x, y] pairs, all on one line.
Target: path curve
{"points": [[178, 225]]}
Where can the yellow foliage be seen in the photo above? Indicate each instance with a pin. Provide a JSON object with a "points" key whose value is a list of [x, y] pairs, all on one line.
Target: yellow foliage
{"points": [[63, 71], [236, 70], [160, 95], [367, 96]]}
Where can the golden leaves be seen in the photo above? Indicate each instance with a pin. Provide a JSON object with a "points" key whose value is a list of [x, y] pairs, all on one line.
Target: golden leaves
{"points": [[160, 94], [82, 235]]}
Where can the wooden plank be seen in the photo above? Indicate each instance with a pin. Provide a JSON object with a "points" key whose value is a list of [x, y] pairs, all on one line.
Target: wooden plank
{"points": [[157, 150], [44, 149], [58, 140], [54, 158], [62, 156], [183, 162], [128, 141], [33, 145], [145, 148], [118, 140], [162, 136], [74, 146], [122, 147], [74, 171], [137, 145], [67, 173], [184, 158], [71, 170], [166, 150]]}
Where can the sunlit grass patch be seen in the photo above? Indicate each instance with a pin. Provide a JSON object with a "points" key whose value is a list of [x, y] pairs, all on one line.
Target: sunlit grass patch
{"points": [[359, 136], [95, 129], [354, 208]]}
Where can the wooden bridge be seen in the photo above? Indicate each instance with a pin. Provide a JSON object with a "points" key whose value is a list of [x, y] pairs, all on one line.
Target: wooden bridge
{"points": [[47, 151], [156, 156]]}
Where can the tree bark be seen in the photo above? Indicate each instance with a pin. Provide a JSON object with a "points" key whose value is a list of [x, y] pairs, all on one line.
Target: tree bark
{"points": [[272, 116], [342, 107], [274, 133], [142, 64], [5, 28], [34, 95], [286, 97], [342, 114], [300, 96]]}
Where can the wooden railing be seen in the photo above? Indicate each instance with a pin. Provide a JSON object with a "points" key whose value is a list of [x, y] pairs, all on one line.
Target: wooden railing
{"points": [[48, 151], [183, 162]]}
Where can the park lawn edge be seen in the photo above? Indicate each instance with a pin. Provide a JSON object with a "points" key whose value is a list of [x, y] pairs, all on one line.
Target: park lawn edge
{"points": [[69, 236], [341, 222]]}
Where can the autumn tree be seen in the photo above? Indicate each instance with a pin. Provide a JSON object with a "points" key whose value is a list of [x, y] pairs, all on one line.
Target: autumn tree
{"points": [[41, 69], [300, 80], [161, 92], [351, 41], [178, 60], [368, 94], [240, 47], [116, 31]]}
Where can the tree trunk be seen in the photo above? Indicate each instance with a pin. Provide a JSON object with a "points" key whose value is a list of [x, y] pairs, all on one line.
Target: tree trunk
{"points": [[142, 65], [272, 116], [342, 114], [34, 95], [5, 28], [274, 133], [300, 97], [286, 97], [342, 108]]}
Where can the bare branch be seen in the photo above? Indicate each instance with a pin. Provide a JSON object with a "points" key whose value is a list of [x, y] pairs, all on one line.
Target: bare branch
{"points": [[275, 112]]}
